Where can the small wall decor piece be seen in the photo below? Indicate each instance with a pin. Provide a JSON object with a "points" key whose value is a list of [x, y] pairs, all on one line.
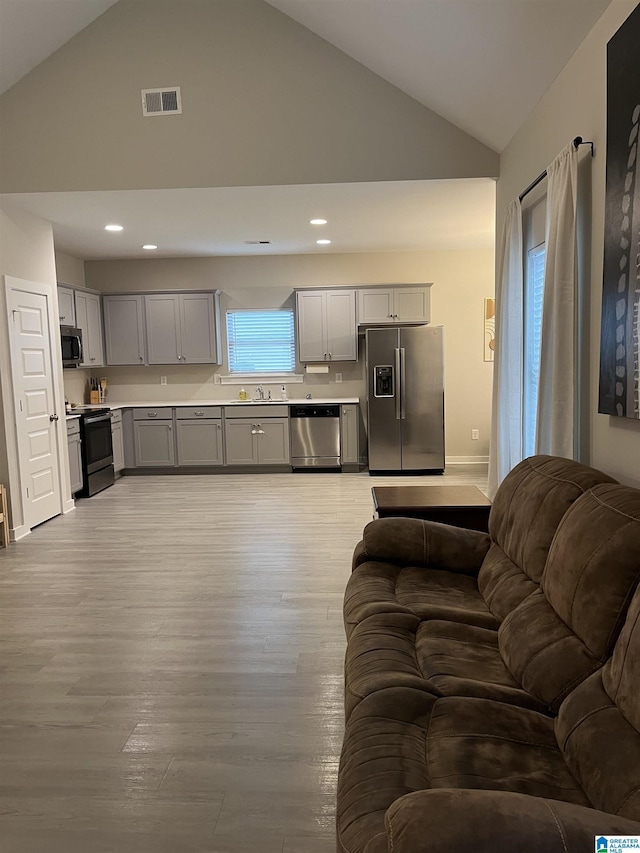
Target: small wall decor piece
{"points": [[489, 329], [620, 327]]}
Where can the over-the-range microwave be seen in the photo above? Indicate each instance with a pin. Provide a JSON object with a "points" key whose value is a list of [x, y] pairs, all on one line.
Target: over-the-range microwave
{"points": [[71, 343]]}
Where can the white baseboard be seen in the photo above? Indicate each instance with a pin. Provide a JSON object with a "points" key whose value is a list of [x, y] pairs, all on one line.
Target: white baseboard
{"points": [[68, 506], [17, 533], [466, 460]]}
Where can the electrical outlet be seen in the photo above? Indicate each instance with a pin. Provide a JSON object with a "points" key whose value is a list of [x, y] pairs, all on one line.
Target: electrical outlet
{"points": [[338, 377], [475, 434], [217, 379], [163, 380]]}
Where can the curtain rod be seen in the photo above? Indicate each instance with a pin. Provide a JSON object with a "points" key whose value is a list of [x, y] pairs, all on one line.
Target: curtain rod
{"points": [[577, 142]]}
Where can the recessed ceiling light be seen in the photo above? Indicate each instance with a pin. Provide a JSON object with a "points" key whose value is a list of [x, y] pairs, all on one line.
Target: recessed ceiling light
{"points": [[318, 221], [113, 228], [149, 246], [323, 242]]}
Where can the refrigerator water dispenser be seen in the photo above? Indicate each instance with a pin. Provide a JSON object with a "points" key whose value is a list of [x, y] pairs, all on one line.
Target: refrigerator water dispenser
{"points": [[383, 384]]}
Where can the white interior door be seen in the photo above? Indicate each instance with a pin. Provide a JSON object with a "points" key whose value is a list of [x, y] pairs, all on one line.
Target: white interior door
{"points": [[36, 416]]}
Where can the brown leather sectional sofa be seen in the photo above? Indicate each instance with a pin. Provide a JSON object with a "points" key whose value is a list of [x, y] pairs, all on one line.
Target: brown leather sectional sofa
{"points": [[492, 682]]}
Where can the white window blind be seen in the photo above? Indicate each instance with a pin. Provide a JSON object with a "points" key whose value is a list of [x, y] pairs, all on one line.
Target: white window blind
{"points": [[533, 297], [261, 341]]}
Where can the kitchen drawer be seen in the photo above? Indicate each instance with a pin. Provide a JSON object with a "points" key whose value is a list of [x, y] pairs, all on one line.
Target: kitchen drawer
{"points": [[73, 427], [116, 416], [160, 413], [186, 413], [259, 411]]}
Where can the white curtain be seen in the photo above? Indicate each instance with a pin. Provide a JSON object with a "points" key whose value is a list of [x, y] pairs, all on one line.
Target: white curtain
{"points": [[555, 432], [506, 420]]}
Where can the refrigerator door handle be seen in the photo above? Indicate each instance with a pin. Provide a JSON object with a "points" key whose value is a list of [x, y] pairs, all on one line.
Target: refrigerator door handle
{"points": [[398, 388], [403, 383]]}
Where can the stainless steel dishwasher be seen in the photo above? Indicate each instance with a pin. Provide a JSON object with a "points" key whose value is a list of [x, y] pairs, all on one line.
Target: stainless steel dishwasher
{"points": [[315, 436]]}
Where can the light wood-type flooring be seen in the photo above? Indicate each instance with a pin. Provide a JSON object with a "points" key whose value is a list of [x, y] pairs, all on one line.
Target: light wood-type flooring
{"points": [[171, 661]]}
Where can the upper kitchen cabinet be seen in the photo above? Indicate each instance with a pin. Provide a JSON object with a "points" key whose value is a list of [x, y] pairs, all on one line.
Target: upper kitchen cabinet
{"points": [[391, 305], [124, 328], [326, 322], [66, 307], [183, 328], [89, 320]]}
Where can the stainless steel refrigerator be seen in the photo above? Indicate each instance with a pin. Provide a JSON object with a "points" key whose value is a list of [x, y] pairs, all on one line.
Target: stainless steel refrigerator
{"points": [[405, 384]]}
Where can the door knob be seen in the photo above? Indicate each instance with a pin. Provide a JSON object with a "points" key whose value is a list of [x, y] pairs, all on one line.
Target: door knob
{"points": [[53, 417]]}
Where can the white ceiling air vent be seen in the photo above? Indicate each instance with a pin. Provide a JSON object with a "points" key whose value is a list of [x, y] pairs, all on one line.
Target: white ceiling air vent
{"points": [[257, 242], [161, 102]]}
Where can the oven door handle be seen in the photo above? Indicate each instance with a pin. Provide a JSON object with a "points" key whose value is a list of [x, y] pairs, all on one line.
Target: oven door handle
{"points": [[97, 419]]}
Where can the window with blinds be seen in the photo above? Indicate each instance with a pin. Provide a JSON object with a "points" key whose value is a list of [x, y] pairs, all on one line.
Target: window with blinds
{"points": [[533, 297], [261, 341]]}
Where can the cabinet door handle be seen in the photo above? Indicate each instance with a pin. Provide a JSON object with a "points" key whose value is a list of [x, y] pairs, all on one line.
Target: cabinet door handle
{"points": [[198, 414], [141, 358], [63, 317], [152, 414]]}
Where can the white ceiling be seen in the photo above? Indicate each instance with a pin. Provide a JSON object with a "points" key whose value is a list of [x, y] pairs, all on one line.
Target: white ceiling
{"points": [[31, 30], [362, 217], [482, 64]]}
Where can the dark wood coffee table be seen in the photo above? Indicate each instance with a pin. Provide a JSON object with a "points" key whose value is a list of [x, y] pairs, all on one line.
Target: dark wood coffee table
{"points": [[463, 506]]}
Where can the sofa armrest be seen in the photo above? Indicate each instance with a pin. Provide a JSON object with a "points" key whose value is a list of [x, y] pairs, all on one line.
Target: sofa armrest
{"points": [[411, 541], [442, 820]]}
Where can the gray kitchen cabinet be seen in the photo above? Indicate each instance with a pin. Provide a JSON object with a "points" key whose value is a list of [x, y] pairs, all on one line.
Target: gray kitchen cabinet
{"points": [[75, 455], [154, 444], [124, 328], [349, 434], [199, 442], [89, 320], [117, 440], [394, 304], [66, 306], [239, 439], [257, 440], [326, 324], [183, 328], [273, 441]]}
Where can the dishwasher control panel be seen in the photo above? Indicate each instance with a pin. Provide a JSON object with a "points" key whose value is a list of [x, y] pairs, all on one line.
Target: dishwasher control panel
{"points": [[310, 411]]}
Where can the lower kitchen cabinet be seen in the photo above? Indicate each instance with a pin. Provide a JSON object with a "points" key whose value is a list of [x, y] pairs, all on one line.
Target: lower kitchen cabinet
{"points": [[117, 440], [75, 455], [273, 441], [349, 434], [199, 442], [253, 441], [154, 446]]}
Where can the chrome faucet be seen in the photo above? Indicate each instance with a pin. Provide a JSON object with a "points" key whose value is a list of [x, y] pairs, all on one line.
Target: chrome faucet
{"points": [[260, 392]]}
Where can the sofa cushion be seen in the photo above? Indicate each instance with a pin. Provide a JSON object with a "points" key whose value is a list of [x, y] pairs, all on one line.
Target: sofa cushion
{"points": [[598, 727], [477, 743], [415, 590], [528, 507], [401, 740], [567, 629], [440, 657]]}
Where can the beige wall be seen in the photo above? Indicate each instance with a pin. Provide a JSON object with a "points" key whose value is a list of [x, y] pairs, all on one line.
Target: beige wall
{"points": [[69, 270], [265, 102], [576, 105], [26, 252], [461, 281]]}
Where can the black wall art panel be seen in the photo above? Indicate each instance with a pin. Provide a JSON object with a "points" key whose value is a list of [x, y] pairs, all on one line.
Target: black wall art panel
{"points": [[620, 338]]}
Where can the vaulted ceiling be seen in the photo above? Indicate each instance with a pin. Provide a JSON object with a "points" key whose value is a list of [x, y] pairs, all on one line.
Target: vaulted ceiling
{"points": [[481, 64]]}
